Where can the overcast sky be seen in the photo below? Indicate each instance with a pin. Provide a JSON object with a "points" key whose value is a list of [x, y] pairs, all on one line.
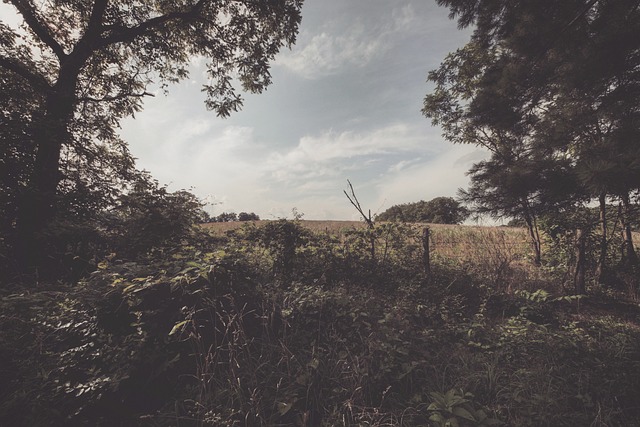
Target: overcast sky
{"points": [[344, 104]]}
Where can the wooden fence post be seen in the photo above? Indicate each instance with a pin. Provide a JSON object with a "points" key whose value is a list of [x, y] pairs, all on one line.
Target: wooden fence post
{"points": [[426, 260]]}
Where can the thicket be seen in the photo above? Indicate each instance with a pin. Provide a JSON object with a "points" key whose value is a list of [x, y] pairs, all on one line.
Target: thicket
{"points": [[276, 325]]}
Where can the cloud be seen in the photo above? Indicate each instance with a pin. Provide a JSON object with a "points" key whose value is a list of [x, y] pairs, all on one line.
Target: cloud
{"points": [[327, 54], [331, 154], [441, 175], [345, 44]]}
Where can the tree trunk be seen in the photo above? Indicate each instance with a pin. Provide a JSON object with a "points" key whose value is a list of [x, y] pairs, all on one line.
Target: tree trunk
{"points": [[602, 258], [38, 206], [629, 253], [535, 238], [579, 271]]}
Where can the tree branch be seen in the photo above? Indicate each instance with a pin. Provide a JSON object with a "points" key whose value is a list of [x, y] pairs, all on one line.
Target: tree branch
{"points": [[114, 97], [95, 21], [36, 80], [356, 204], [28, 12], [123, 34]]}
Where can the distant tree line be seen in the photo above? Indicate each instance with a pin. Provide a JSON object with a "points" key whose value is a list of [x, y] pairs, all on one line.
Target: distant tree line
{"points": [[232, 216], [441, 210]]}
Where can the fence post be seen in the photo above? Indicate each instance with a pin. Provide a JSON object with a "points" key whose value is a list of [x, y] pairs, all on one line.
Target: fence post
{"points": [[426, 261]]}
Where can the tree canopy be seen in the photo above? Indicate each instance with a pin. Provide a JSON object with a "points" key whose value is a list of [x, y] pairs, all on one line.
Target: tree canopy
{"points": [[78, 68], [551, 89], [441, 210]]}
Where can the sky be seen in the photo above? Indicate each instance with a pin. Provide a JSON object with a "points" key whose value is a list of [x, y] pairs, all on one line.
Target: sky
{"points": [[344, 105]]}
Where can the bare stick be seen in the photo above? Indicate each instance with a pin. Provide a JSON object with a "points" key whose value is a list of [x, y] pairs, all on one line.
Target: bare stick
{"points": [[356, 204]]}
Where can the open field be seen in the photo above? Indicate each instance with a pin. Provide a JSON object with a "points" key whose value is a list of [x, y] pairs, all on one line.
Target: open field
{"points": [[330, 226], [466, 243]]}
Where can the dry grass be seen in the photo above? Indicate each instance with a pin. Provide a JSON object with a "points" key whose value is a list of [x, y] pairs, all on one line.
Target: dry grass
{"points": [[476, 245], [318, 226]]}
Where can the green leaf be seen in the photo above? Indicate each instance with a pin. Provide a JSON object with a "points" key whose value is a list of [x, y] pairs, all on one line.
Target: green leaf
{"points": [[461, 412], [452, 422], [448, 398], [283, 408], [439, 399], [178, 326], [437, 417]]}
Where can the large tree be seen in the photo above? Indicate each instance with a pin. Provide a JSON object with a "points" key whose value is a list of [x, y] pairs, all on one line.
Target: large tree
{"points": [[89, 63], [475, 102], [555, 81]]}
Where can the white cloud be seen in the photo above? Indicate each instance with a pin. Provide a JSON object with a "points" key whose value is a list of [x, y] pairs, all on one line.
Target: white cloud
{"points": [[404, 18], [403, 164], [327, 54], [350, 44], [438, 176], [331, 154]]}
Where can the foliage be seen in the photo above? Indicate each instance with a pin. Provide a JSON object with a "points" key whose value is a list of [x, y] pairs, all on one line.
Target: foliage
{"points": [[245, 216], [455, 408], [213, 334], [283, 240], [554, 117], [441, 210], [150, 217], [85, 66], [225, 217], [232, 216]]}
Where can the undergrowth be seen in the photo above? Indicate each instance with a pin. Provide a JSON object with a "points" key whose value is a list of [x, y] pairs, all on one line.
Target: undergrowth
{"points": [[278, 326]]}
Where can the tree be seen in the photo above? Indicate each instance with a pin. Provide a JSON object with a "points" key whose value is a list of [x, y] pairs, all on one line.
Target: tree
{"points": [[552, 81], [441, 210], [474, 105], [226, 217], [92, 177], [148, 216], [90, 64], [244, 216]]}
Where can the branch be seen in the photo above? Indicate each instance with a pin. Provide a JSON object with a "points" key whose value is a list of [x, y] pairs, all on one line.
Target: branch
{"points": [[356, 204], [28, 12], [35, 79], [95, 21], [114, 97], [123, 34]]}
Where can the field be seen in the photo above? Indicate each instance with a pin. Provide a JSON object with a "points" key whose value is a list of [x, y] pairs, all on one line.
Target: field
{"points": [[482, 246]]}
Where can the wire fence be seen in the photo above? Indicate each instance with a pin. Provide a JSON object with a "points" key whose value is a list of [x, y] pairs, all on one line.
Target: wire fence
{"points": [[459, 242]]}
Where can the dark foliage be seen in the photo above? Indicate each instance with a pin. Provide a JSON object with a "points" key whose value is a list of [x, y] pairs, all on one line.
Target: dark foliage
{"points": [[232, 216], [441, 210], [213, 334]]}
